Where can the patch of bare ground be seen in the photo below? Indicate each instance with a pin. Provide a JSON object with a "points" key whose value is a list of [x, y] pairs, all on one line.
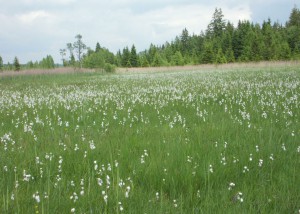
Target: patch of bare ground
{"points": [[207, 67], [66, 70]]}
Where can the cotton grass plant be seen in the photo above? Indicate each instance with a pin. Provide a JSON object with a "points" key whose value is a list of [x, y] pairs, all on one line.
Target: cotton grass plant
{"points": [[198, 141]]}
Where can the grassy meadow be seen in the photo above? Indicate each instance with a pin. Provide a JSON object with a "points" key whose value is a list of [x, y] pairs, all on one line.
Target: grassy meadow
{"points": [[211, 140]]}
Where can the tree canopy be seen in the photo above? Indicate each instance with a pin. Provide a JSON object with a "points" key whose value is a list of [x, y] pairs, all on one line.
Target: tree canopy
{"points": [[221, 42]]}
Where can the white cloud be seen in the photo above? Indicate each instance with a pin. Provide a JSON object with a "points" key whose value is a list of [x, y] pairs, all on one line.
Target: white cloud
{"points": [[35, 27], [33, 16]]}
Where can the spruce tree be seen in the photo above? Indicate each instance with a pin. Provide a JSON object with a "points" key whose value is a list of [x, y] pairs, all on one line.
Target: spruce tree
{"points": [[177, 59], [144, 62], [208, 54], [17, 65], [157, 60], [294, 19], [184, 39], [98, 47], [217, 24], [293, 32], [269, 40], [1, 64], [133, 57], [126, 58]]}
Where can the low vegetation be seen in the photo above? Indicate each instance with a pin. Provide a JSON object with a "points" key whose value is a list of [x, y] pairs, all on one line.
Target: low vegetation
{"points": [[203, 141]]}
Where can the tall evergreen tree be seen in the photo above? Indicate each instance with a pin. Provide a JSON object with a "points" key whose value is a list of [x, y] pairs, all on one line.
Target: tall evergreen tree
{"points": [[98, 47], [269, 40], [184, 39], [258, 45], [157, 60], [217, 24], [47, 62], [133, 57], [177, 59], [294, 19], [208, 54], [126, 57], [293, 32], [1, 64], [143, 61], [151, 53], [220, 57], [17, 65]]}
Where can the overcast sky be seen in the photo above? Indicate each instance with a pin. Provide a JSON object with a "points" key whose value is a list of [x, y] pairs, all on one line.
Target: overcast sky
{"points": [[31, 29]]}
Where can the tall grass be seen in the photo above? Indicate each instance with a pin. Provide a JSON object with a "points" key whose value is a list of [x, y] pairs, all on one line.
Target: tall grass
{"points": [[177, 142]]}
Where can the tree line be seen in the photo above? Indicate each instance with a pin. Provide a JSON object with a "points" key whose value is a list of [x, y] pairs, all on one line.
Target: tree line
{"points": [[46, 63], [221, 42]]}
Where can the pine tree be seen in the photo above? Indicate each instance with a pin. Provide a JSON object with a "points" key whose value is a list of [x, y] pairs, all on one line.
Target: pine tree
{"points": [[177, 59], [126, 58], [1, 64], [151, 53], [17, 65], [208, 55], [133, 57], [157, 60], [294, 19], [184, 39], [258, 45], [98, 47], [220, 57], [293, 32], [269, 40], [144, 62], [217, 24]]}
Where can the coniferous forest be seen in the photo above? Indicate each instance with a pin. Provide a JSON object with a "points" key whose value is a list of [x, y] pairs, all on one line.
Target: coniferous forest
{"points": [[221, 42]]}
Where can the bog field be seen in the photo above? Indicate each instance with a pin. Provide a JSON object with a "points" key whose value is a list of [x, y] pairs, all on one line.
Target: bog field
{"points": [[210, 140]]}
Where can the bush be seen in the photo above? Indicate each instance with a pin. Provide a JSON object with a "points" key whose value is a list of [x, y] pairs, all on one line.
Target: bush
{"points": [[109, 68]]}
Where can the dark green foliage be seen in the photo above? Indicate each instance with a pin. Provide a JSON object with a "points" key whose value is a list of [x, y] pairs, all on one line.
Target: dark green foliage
{"points": [[185, 42], [1, 64], [157, 60], [221, 43], [133, 57], [94, 60], [144, 62], [109, 68], [217, 24], [47, 63], [208, 54], [30, 65], [294, 19], [98, 47], [177, 59], [220, 57], [99, 58], [125, 60], [293, 32], [17, 65]]}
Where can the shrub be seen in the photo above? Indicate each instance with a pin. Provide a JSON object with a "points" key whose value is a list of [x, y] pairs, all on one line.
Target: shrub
{"points": [[109, 68]]}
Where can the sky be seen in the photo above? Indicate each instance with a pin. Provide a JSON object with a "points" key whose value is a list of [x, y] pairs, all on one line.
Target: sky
{"points": [[33, 29]]}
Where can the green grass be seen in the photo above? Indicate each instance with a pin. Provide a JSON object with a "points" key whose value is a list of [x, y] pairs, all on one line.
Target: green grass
{"points": [[172, 142]]}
